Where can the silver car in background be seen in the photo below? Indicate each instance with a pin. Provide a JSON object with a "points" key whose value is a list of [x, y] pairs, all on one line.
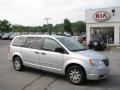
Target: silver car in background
{"points": [[58, 54]]}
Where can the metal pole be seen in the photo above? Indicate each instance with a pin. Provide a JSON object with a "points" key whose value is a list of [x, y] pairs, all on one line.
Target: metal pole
{"points": [[47, 19]]}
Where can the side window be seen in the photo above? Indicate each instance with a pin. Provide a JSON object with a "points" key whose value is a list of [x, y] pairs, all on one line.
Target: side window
{"points": [[19, 41], [50, 44], [33, 42]]}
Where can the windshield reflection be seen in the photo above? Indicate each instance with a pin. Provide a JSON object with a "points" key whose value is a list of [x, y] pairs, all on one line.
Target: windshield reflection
{"points": [[71, 44]]}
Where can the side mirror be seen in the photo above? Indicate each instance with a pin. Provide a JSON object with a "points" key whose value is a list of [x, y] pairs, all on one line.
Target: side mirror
{"points": [[59, 50]]}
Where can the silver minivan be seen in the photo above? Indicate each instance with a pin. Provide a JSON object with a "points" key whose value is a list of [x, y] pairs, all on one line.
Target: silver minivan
{"points": [[58, 54]]}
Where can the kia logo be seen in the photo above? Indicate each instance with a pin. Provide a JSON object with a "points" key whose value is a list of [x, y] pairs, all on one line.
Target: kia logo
{"points": [[101, 16]]}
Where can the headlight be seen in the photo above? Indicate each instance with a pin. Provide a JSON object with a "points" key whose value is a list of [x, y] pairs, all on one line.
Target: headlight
{"points": [[96, 62], [95, 43]]}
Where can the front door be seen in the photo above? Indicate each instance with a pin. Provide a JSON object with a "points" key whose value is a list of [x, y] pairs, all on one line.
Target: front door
{"points": [[49, 59]]}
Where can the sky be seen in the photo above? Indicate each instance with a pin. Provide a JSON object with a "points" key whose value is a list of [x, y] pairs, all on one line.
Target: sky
{"points": [[34, 12]]}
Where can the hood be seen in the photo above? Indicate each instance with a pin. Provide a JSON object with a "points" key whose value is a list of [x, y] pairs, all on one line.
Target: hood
{"points": [[91, 54]]}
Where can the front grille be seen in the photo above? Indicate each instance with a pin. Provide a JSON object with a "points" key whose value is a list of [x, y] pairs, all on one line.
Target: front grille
{"points": [[106, 62]]}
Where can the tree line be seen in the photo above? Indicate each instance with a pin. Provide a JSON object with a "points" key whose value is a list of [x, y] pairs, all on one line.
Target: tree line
{"points": [[67, 26]]}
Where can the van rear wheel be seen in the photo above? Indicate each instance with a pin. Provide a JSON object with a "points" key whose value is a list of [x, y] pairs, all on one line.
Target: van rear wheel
{"points": [[75, 75], [17, 63]]}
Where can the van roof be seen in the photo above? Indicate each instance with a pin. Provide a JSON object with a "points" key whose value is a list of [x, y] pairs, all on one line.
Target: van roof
{"points": [[50, 36]]}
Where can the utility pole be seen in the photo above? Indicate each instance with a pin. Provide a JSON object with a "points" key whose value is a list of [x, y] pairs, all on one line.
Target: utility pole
{"points": [[47, 19]]}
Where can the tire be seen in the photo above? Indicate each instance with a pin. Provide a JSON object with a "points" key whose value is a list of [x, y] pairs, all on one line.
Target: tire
{"points": [[94, 48], [76, 75], [90, 46], [17, 63], [103, 48]]}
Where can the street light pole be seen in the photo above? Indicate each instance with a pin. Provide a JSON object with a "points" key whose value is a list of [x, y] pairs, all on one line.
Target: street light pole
{"points": [[47, 19]]}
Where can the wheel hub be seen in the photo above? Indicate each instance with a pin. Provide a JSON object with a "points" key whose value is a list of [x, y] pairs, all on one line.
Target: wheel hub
{"points": [[75, 76], [17, 64]]}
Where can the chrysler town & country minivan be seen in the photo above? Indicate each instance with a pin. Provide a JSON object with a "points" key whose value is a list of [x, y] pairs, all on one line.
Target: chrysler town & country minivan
{"points": [[58, 54]]}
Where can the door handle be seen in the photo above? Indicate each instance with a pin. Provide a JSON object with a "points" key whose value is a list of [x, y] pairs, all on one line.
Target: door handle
{"points": [[36, 52], [43, 53]]}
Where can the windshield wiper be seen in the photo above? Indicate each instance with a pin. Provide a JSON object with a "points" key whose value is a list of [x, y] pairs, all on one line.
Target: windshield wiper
{"points": [[79, 50]]}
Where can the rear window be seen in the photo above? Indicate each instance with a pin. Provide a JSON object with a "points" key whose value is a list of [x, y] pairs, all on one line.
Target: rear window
{"points": [[19, 41], [33, 42]]}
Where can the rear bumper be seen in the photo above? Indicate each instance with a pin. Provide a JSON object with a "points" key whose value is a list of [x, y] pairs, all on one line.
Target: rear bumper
{"points": [[98, 74]]}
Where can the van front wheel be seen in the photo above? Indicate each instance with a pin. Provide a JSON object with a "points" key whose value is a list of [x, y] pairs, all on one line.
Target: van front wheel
{"points": [[75, 75]]}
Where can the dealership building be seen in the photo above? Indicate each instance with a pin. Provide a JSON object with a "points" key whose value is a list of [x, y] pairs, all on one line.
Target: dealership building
{"points": [[104, 22]]}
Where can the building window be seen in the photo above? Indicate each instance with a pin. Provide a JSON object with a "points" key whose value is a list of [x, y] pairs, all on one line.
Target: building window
{"points": [[106, 32]]}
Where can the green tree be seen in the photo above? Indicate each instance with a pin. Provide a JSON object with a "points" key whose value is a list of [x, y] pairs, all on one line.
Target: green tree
{"points": [[17, 28], [58, 28], [45, 28], [5, 26], [79, 26], [82, 26], [48, 28], [67, 26]]}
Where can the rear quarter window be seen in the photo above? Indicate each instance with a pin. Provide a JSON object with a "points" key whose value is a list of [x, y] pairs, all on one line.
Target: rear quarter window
{"points": [[19, 41]]}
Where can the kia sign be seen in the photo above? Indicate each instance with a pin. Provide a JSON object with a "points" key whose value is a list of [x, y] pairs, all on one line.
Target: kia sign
{"points": [[101, 16]]}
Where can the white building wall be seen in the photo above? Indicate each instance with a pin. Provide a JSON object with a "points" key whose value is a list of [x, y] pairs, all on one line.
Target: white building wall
{"points": [[116, 34], [87, 34], [90, 12]]}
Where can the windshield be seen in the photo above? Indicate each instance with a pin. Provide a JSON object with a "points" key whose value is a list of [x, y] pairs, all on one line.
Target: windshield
{"points": [[71, 44]]}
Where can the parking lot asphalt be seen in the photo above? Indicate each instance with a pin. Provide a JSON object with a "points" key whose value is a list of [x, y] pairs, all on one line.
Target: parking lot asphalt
{"points": [[33, 79]]}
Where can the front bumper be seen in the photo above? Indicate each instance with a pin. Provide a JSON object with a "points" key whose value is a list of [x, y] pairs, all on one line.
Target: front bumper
{"points": [[98, 74]]}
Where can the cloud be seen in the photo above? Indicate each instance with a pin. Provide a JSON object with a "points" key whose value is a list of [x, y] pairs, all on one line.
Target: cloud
{"points": [[33, 12], [112, 3]]}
